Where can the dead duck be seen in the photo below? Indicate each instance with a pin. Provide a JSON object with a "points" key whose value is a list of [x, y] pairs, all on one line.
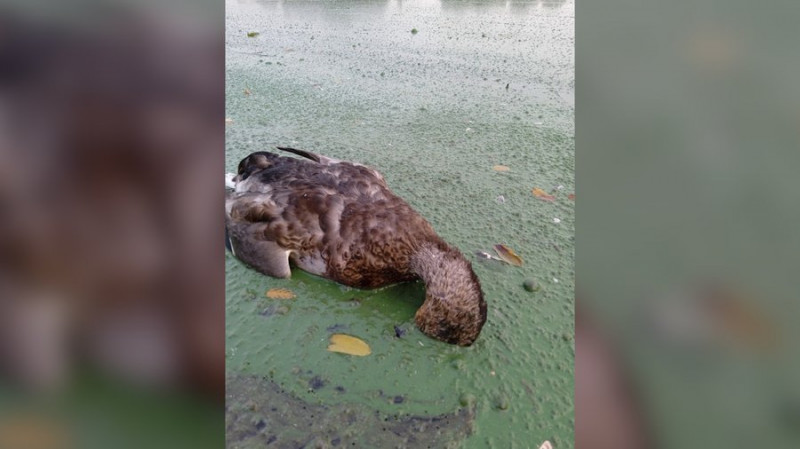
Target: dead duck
{"points": [[339, 220]]}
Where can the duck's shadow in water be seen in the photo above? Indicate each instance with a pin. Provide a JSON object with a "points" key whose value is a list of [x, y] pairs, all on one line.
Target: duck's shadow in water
{"points": [[395, 304]]}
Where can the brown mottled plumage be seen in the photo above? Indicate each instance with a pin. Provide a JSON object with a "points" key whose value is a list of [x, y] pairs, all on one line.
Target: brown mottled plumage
{"points": [[339, 220]]}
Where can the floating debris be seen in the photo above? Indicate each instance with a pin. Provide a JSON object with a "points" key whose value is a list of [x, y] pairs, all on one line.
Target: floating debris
{"points": [[228, 120], [531, 285], [399, 332], [336, 328], [484, 255], [501, 168], [347, 344], [508, 255], [316, 382], [253, 34], [546, 445], [502, 403], [273, 309], [280, 293], [571, 196], [414, 31], [556, 220], [247, 91], [542, 195], [500, 199], [249, 294], [269, 311]]}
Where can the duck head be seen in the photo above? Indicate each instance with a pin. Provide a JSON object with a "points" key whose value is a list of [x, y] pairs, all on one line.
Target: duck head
{"points": [[454, 310], [253, 163]]}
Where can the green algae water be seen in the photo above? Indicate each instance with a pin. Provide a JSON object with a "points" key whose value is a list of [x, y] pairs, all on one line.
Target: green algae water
{"points": [[476, 84]]}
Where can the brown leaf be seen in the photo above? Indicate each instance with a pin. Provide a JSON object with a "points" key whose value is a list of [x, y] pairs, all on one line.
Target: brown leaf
{"points": [[508, 255], [542, 195], [280, 293], [571, 196], [501, 168]]}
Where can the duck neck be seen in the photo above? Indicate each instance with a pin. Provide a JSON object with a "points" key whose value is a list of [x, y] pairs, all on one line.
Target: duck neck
{"points": [[454, 310], [445, 272]]}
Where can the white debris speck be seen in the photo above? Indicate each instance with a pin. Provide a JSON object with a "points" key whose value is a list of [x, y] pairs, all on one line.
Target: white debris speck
{"points": [[559, 187], [500, 199], [555, 281], [546, 445], [556, 220]]}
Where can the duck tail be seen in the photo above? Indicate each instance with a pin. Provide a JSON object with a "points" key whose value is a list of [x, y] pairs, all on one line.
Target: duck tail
{"points": [[318, 158], [306, 154]]}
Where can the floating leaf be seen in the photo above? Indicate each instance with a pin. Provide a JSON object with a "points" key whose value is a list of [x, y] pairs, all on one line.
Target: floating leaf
{"points": [[253, 34], [247, 91], [508, 255], [501, 168], [347, 344], [571, 196], [542, 195], [280, 293]]}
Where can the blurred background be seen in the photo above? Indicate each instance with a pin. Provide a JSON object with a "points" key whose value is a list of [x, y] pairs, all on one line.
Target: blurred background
{"points": [[687, 243], [111, 280]]}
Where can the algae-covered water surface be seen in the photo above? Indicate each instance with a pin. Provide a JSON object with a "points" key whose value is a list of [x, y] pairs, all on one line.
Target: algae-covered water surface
{"points": [[435, 95]]}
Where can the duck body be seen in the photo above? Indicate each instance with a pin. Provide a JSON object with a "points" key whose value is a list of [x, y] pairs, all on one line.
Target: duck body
{"points": [[340, 220]]}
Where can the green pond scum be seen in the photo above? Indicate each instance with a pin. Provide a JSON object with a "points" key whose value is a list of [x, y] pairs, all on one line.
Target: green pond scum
{"points": [[486, 84]]}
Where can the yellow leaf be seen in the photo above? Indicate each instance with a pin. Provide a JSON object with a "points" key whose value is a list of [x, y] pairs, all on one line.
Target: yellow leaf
{"points": [[501, 168], [541, 194], [280, 293], [348, 345], [508, 255]]}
